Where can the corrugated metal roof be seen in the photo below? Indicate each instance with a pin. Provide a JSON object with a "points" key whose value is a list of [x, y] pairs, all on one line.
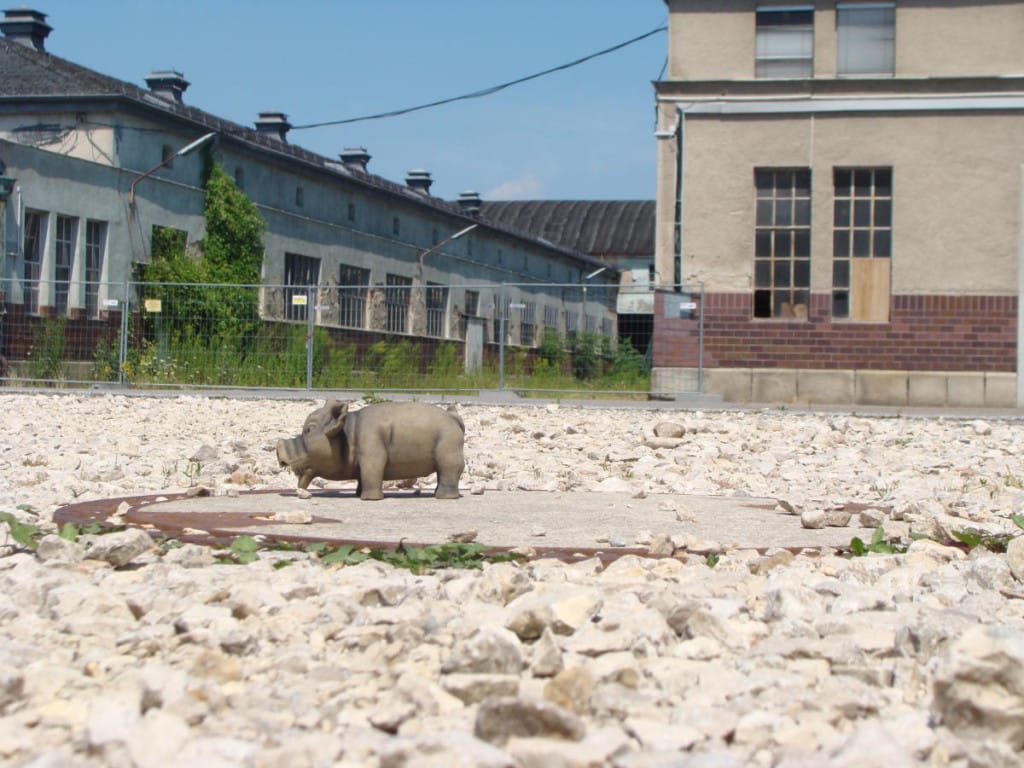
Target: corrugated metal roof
{"points": [[602, 228]]}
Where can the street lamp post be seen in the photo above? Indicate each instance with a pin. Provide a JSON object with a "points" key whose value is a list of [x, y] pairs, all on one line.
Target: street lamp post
{"points": [[420, 306], [583, 320], [187, 149]]}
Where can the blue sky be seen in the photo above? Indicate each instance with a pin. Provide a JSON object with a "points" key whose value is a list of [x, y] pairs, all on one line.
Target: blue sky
{"points": [[584, 133]]}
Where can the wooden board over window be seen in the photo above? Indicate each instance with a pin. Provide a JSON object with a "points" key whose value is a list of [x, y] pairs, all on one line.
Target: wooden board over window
{"points": [[869, 290]]}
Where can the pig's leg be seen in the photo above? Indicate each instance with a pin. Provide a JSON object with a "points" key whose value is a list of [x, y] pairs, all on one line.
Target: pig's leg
{"points": [[371, 479], [306, 479]]}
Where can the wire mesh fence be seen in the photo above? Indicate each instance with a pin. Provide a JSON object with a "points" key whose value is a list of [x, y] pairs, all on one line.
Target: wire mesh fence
{"points": [[543, 338]]}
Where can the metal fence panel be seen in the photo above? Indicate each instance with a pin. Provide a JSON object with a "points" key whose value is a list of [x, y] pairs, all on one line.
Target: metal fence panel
{"points": [[532, 338]]}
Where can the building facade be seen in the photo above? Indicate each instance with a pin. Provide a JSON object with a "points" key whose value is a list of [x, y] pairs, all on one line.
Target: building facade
{"points": [[841, 186], [94, 166]]}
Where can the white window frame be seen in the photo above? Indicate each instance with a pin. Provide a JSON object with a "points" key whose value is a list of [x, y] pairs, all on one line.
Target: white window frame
{"points": [[789, 52]]}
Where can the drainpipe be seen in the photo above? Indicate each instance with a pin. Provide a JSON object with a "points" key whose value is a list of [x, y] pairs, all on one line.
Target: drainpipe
{"points": [[676, 133], [6, 187]]}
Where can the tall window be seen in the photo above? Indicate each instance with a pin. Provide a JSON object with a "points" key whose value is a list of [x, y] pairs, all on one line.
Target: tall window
{"points": [[437, 302], [353, 285], [396, 302], [300, 272], [862, 243], [551, 317], [33, 248], [528, 325], [866, 35], [501, 313], [782, 243], [64, 261], [95, 241], [785, 41]]}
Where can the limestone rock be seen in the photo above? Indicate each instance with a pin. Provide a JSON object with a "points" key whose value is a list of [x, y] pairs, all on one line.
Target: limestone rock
{"points": [[118, 548], [498, 720]]}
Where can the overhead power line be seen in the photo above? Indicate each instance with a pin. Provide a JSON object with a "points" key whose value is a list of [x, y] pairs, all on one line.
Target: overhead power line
{"points": [[485, 91]]}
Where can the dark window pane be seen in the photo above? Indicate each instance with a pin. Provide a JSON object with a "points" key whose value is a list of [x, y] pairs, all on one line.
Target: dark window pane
{"points": [[862, 213], [764, 213], [883, 182], [763, 243], [883, 243], [802, 244], [802, 213], [883, 213], [783, 213], [841, 273], [801, 297], [782, 274], [802, 183], [783, 243], [841, 243], [842, 179], [763, 273], [764, 183], [840, 304], [861, 243], [762, 303], [771, 18], [801, 274], [862, 183], [842, 213]]}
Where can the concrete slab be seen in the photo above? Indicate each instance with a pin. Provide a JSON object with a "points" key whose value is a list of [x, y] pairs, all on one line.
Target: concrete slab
{"points": [[542, 520]]}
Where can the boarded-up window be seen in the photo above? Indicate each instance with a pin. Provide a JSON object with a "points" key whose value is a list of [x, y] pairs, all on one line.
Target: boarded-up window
{"points": [[862, 244]]}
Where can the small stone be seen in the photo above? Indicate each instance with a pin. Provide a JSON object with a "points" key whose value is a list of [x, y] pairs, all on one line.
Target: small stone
{"points": [[1015, 557], [669, 429], [538, 530], [303, 493], [498, 720], [661, 546], [118, 548], [463, 537], [293, 516], [55, 549]]}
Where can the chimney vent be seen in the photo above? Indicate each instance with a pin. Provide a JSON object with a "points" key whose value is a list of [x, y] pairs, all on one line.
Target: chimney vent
{"points": [[274, 124], [355, 158], [420, 181], [26, 27], [167, 84], [470, 202]]}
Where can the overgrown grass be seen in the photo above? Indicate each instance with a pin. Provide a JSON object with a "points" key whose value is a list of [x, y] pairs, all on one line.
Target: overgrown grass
{"points": [[278, 357]]}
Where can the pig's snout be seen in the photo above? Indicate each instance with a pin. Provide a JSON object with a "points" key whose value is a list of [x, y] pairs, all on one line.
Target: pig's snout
{"points": [[289, 451]]}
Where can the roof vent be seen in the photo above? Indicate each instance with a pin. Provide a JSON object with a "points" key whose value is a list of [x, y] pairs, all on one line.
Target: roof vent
{"points": [[167, 84], [27, 27], [420, 181], [355, 158], [274, 124], [470, 203]]}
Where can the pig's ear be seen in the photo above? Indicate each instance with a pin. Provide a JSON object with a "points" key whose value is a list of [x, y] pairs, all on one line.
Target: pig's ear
{"points": [[337, 421]]}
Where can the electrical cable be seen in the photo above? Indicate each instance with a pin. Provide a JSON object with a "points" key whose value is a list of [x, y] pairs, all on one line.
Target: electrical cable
{"points": [[484, 91]]}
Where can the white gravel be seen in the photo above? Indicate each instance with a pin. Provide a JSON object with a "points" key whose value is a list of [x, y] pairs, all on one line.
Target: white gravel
{"points": [[113, 653]]}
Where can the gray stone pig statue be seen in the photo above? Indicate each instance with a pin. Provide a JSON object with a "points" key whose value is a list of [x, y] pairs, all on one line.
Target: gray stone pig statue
{"points": [[385, 441]]}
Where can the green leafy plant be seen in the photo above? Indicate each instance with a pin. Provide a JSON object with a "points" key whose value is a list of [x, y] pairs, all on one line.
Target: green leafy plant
{"points": [[25, 534], [245, 549], [46, 359], [878, 544]]}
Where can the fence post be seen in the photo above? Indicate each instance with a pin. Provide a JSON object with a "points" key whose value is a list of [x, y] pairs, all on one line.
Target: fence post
{"points": [[310, 307], [122, 378], [501, 338]]}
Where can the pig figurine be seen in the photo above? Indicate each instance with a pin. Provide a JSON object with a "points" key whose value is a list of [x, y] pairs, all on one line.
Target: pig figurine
{"points": [[386, 441]]}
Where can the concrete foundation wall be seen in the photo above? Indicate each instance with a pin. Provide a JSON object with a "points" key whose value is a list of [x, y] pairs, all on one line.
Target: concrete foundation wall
{"points": [[846, 387]]}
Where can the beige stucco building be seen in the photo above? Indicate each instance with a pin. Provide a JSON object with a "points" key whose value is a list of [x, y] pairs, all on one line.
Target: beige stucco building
{"points": [[840, 193]]}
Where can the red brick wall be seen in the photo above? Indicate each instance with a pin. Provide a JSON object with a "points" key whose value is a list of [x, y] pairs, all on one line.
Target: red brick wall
{"points": [[936, 333]]}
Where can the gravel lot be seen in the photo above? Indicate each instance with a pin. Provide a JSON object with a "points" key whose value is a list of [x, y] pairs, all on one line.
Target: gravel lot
{"points": [[116, 653]]}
